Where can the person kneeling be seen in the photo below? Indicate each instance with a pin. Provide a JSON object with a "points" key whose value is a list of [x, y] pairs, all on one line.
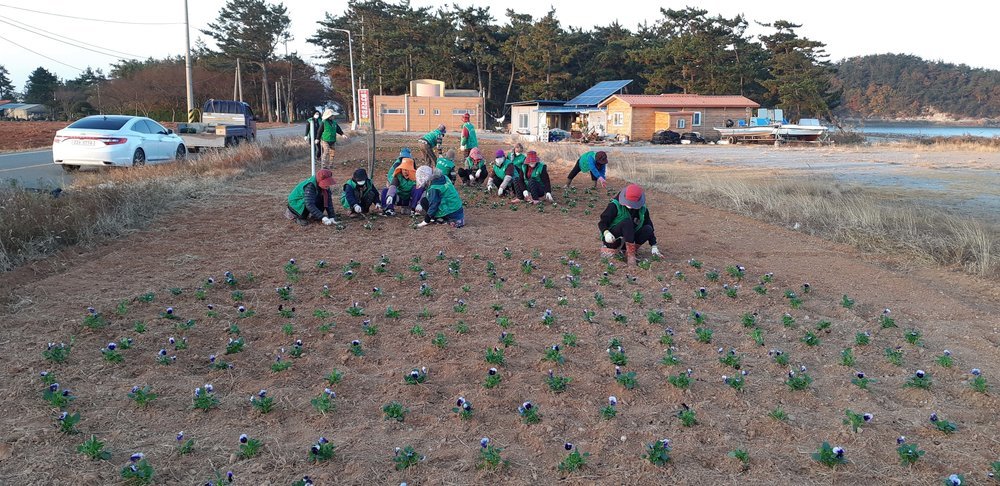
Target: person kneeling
{"points": [[311, 200], [532, 181], [626, 222], [475, 171], [359, 194], [441, 199], [402, 188]]}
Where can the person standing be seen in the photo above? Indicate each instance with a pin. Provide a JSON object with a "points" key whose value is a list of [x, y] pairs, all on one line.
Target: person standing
{"points": [[311, 200], [328, 135], [315, 126], [626, 223], [359, 194], [469, 140], [431, 141], [475, 171], [596, 163], [533, 183]]}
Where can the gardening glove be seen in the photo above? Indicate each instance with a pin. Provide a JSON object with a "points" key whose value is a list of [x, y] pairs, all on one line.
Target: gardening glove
{"points": [[328, 221], [609, 238], [548, 197], [357, 208], [604, 183], [306, 138], [422, 224], [388, 200], [471, 179], [378, 206], [656, 251], [489, 185], [527, 195], [479, 173], [419, 208], [503, 185]]}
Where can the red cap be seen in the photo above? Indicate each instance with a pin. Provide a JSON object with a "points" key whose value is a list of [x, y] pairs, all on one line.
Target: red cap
{"points": [[531, 158], [324, 178], [632, 197], [465, 117]]}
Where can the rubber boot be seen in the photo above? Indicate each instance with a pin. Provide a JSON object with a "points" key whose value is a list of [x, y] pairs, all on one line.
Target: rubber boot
{"points": [[630, 249], [608, 253]]}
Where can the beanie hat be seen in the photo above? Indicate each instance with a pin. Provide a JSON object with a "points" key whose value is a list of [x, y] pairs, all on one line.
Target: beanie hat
{"points": [[441, 128], [465, 117], [405, 153], [500, 154], [601, 158], [324, 178], [532, 158], [328, 113], [476, 154], [424, 174], [632, 196], [450, 154], [360, 177]]}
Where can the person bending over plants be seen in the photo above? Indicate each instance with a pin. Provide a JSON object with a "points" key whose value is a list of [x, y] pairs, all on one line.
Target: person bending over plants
{"points": [[625, 223], [311, 200], [359, 194], [531, 183], [596, 163], [402, 190], [446, 164], [441, 199]]}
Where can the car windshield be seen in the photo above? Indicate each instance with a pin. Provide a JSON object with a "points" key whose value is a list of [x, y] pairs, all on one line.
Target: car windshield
{"points": [[100, 123]]}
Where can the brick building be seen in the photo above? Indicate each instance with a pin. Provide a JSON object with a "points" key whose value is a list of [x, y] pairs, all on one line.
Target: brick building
{"points": [[427, 105]]}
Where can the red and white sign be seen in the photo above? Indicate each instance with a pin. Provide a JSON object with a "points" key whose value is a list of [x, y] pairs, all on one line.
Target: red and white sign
{"points": [[363, 110]]}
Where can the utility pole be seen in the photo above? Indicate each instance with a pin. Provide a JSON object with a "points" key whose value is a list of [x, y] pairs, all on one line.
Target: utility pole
{"points": [[188, 70], [354, 91]]}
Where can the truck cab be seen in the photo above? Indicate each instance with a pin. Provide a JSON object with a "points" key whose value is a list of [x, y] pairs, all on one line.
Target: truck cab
{"points": [[224, 123]]}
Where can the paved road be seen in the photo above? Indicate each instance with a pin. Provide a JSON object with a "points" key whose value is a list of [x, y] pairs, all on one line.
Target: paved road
{"points": [[35, 168]]}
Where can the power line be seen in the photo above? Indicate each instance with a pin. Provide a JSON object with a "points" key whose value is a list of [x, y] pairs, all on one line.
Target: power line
{"points": [[115, 54], [92, 20], [39, 54]]}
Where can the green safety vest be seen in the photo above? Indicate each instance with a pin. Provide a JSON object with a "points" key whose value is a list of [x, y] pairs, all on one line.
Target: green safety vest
{"points": [[297, 198], [623, 214], [536, 174], [446, 166], [392, 168], [470, 142], [329, 131], [405, 188], [354, 187], [432, 138], [473, 165], [501, 170], [450, 201], [517, 161], [588, 163]]}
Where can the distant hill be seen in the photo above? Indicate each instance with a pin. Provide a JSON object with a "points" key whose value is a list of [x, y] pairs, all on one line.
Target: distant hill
{"points": [[904, 86]]}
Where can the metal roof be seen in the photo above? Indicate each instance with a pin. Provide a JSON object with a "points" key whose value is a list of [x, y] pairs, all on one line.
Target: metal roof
{"points": [[12, 106], [686, 101], [537, 102], [566, 109], [598, 93]]}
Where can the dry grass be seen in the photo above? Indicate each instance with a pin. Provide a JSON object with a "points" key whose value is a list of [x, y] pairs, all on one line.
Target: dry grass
{"points": [[110, 203], [967, 143], [871, 221]]}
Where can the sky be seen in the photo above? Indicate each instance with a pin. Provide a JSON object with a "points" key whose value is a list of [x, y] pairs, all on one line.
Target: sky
{"points": [[956, 31]]}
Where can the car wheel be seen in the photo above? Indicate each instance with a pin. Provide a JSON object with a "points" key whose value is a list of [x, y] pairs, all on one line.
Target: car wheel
{"points": [[138, 158], [70, 167], [181, 152]]}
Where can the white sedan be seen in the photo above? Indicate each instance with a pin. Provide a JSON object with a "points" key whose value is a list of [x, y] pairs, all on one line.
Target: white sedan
{"points": [[115, 140]]}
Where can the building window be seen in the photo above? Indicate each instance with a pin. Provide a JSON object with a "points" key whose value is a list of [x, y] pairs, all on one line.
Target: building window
{"points": [[461, 111], [522, 120], [618, 119], [392, 111], [421, 112], [681, 123], [696, 119], [437, 112]]}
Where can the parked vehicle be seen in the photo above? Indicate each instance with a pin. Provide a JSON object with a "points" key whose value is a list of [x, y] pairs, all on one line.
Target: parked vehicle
{"points": [[666, 137], [558, 135], [692, 137], [115, 140], [224, 123]]}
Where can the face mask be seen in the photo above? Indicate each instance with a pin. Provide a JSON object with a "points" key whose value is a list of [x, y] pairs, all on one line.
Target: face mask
{"points": [[360, 183], [498, 160], [316, 115]]}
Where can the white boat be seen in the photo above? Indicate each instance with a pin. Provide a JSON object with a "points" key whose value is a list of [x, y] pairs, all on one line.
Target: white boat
{"points": [[765, 127]]}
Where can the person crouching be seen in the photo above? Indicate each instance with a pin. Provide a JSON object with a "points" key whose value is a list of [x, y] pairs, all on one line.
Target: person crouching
{"points": [[311, 200], [359, 194], [626, 223], [532, 183], [402, 188], [475, 171], [441, 199]]}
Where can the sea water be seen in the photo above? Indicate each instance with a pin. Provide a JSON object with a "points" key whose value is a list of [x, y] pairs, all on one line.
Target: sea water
{"points": [[910, 130]]}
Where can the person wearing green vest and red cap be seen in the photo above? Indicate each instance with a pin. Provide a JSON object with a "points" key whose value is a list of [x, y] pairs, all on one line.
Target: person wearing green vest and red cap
{"points": [[532, 183], [469, 140], [626, 223], [444, 205], [329, 129], [475, 171], [429, 142], [446, 164], [596, 163], [359, 194], [311, 200]]}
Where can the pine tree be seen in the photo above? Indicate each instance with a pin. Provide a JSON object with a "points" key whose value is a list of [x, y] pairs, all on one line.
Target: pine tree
{"points": [[801, 78], [6, 86], [41, 87]]}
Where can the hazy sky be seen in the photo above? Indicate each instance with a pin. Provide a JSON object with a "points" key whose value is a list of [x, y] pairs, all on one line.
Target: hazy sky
{"points": [[956, 31]]}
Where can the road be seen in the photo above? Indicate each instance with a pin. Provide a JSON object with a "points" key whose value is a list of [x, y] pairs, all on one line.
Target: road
{"points": [[35, 169]]}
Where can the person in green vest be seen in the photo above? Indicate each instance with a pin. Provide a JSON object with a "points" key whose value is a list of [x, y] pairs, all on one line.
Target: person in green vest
{"points": [[516, 156], [431, 141], [596, 163], [625, 223], [446, 164], [359, 194], [444, 205], [532, 183], [404, 153], [469, 140], [329, 129], [475, 171], [402, 188], [500, 179], [311, 200]]}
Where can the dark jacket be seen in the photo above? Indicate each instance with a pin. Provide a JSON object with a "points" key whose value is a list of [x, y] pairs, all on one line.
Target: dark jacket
{"points": [[315, 122], [524, 173]]}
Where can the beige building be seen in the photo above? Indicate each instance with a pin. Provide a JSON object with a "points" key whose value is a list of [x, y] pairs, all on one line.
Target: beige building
{"points": [[639, 116], [428, 105]]}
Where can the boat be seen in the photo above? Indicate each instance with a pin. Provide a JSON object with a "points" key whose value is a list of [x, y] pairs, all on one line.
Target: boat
{"points": [[770, 126]]}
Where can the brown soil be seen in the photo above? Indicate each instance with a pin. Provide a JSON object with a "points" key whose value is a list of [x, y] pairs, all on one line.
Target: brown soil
{"points": [[243, 231], [26, 135]]}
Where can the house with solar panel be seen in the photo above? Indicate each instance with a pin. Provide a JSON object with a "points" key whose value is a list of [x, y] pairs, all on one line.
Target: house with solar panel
{"points": [[535, 118]]}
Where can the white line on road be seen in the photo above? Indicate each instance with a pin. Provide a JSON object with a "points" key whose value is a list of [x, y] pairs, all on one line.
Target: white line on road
{"points": [[26, 167], [11, 154]]}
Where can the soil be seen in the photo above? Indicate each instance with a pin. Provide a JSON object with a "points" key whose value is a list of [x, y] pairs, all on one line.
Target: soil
{"points": [[243, 231], [27, 135]]}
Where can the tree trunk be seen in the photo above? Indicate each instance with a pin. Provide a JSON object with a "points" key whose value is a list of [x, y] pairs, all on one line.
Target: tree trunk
{"points": [[267, 95]]}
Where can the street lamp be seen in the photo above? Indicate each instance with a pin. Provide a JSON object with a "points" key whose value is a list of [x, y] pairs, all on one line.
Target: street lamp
{"points": [[354, 92]]}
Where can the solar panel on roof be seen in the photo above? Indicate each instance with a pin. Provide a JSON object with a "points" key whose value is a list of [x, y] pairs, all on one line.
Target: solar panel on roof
{"points": [[598, 93]]}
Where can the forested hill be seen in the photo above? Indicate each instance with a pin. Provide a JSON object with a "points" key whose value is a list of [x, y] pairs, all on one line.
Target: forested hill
{"points": [[906, 86]]}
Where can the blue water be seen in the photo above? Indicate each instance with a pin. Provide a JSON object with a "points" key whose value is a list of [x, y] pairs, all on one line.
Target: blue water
{"points": [[925, 130]]}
